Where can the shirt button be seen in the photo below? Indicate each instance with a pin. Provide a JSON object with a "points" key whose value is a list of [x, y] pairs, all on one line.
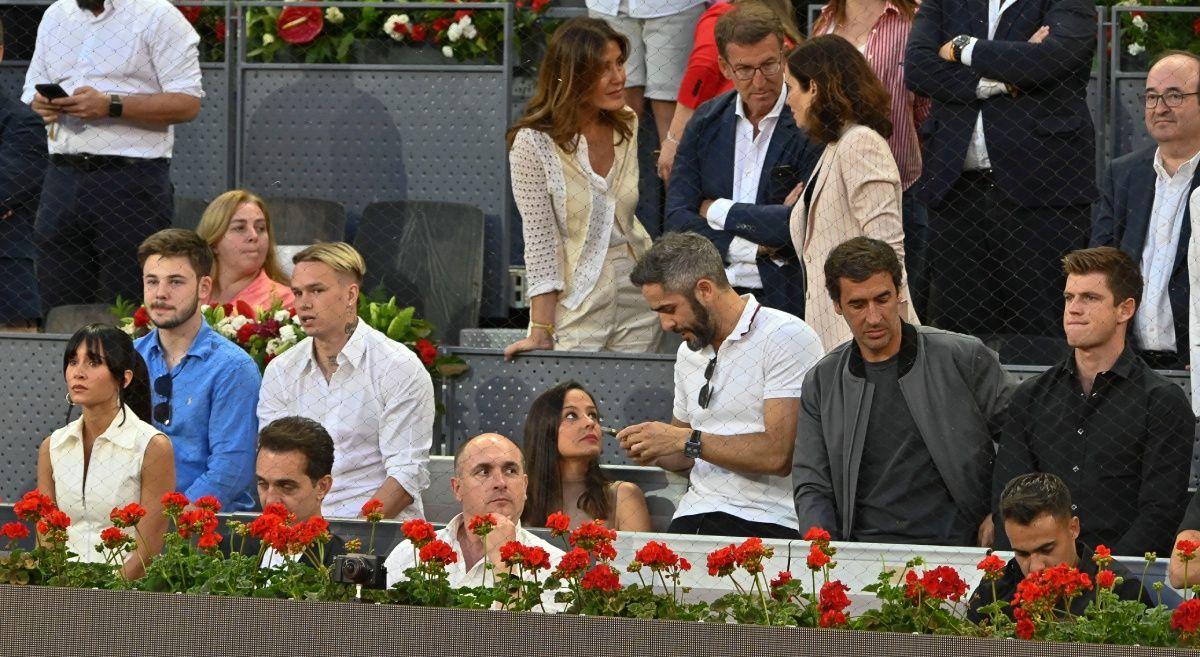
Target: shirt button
{"points": [[1073, 507], [1079, 431], [1075, 469]]}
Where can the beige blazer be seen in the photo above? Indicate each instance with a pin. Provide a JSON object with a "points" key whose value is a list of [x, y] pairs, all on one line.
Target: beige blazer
{"points": [[857, 192]]}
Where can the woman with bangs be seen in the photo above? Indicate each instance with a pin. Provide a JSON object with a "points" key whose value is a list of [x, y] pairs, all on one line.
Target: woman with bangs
{"points": [[111, 456], [573, 161], [562, 447], [238, 228]]}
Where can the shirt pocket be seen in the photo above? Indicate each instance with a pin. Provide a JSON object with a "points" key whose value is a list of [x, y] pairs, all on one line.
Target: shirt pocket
{"points": [[107, 59]]}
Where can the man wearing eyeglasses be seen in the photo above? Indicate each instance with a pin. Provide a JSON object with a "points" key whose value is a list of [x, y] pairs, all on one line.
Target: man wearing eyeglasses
{"points": [[1143, 209], [737, 389], [205, 386], [740, 157]]}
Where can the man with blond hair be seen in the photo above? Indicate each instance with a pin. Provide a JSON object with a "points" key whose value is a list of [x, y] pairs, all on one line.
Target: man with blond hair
{"points": [[371, 393]]}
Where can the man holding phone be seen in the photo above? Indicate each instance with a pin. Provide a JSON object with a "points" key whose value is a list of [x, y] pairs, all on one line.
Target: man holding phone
{"points": [[109, 78], [741, 204]]}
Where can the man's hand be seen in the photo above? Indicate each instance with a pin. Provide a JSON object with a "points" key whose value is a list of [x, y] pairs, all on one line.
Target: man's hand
{"points": [[704, 206], [767, 251], [666, 159], [946, 52], [794, 196], [504, 532], [1040, 35], [986, 535], [86, 103], [44, 108], [649, 441]]}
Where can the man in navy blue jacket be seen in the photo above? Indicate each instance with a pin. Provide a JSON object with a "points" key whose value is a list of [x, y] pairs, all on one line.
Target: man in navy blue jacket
{"points": [[1144, 209], [740, 157], [1009, 156], [22, 166]]}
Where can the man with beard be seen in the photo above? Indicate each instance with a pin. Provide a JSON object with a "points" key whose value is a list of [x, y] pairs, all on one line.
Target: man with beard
{"points": [[130, 71], [205, 387], [737, 389], [897, 426]]}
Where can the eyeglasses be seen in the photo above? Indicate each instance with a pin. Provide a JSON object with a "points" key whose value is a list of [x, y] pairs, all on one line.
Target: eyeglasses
{"points": [[1171, 98], [706, 392], [747, 72], [162, 410]]}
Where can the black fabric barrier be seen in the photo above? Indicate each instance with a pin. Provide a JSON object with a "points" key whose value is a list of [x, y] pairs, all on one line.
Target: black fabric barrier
{"points": [[41, 621]]}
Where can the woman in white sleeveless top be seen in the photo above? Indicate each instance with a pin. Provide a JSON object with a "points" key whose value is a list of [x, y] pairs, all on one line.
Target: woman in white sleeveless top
{"points": [[110, 456]]}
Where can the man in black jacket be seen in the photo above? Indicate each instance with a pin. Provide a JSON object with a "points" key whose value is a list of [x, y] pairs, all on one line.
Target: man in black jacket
{"points": [[1009, 156], [1044, 533], [22, 167]]}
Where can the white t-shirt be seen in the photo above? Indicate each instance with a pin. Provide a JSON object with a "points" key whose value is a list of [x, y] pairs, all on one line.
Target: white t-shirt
{"points": [[765, 357]]}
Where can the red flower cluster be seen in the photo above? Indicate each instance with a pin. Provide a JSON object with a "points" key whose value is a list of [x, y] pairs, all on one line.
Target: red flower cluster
{"points": [[33, 506], [536, 5], [596, 539], [439, 552], [820, 552], [602, 578], [529, 557], [558, 523], [417, 531], [274, 528], [128, 515], [53, 520], [173, 503], [196, 521], [1102, 556], [992, 567], [141, 317], [722, 562], [1187, 549], [1042, 591], [658, 557], [817, 558], [372, 510], [209, 502], [14, 531], [942, 583], [1186, 619], [817, 535], [426, 350], [113, 538], [482, 525], [750, 554], [1105, 579], [782, 578], [1025, 627], [192, 14], [573, 563], [832, 604]]}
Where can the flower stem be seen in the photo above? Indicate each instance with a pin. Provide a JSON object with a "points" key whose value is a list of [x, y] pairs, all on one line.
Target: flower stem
{"points": [[762, 596]]}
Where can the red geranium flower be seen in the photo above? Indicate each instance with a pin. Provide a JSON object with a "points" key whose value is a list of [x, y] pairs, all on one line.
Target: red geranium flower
{"points": [[113, 538], [1102, 556], [1186, 619], [418, 532], [1025, 629], [482, 525], [723, 561], [14, 531], [372, 510], [127, 516], [832, 619], [597, 539], [1105, 579], [943, 583], [33, 506], [192, 14], [782, 578], [196, 521], [438, 551], [426, 350], [558, 523], [749, 554], [833, 597], [56, 519], [657, 556], [1187, 549], [209, 502], [602, 578], [992, 567], [573, 563], [173, 503], [536, 558], [817, 558], [209, 541], [141, 317], [817, 535]]}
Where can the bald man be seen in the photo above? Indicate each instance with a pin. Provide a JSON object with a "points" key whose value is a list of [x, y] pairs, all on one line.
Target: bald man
{"points": [[489, 477]]}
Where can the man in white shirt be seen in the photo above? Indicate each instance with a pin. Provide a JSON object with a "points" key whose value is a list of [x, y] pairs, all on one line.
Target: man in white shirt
{"points": [[744, 211], [737, 394], [370, 392], [1143, 209], [489, 478], [130, 69]]}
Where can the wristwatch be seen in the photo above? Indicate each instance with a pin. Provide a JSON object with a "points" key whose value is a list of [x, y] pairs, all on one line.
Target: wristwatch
{"points": [[958, 44], [691, 448], [114, 106]]}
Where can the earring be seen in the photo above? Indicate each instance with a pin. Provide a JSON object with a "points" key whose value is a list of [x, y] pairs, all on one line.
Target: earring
{"points": [[69, 401]]}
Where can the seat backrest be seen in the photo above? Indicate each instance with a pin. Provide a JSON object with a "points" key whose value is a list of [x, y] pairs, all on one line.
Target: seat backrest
{"points": [[68, 319], [306, 220], [429, 255]]}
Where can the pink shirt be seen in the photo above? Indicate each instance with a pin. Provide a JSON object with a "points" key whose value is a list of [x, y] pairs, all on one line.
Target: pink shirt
{"points": [[261, 293]]}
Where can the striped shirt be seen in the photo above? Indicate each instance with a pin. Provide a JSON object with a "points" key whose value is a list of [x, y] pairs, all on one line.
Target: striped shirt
{"points": [[885, 54]]}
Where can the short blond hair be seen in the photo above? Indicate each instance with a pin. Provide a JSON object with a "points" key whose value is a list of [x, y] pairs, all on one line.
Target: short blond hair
{"points": [[339, 256]]}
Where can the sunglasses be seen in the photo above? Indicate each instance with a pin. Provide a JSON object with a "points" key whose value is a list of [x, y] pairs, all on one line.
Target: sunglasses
{"points": [[706, 392], [162, 410]]}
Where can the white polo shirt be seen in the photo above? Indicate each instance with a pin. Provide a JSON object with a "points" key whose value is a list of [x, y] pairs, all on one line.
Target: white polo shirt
{"points": [[765, 357], [134, 47]]}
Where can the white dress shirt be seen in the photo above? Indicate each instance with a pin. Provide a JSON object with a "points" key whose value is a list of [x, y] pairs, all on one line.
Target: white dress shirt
{"points": [[765, 357], [1154, 321], [404, 556], [977, 155], [1194, 299], [641, 8], [134, 47], [749, 154], [378, 408]]}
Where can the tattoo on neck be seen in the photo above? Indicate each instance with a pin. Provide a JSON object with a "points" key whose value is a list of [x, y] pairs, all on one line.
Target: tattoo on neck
{"points": [[350, 326]]}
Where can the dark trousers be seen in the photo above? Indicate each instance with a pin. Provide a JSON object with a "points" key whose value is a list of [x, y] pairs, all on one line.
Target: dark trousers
{"points": [[916, 243], [724, 524], [89, 226], [996, 268]]}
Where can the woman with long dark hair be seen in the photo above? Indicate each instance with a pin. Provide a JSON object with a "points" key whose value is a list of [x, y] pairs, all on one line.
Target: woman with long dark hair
{"points": [[562, 458], [573, 161], [855, 188], [111, 456]]}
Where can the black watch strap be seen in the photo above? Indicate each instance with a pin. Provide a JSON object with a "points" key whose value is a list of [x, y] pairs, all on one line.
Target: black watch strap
{"points": [[114, 106], [691, 448]]}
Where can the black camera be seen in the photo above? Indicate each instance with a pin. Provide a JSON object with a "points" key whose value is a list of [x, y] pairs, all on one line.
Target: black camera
{"points": [[364, 569]]}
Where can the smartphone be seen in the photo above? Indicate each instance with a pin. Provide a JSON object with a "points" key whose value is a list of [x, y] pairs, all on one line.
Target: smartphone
{"points": [[51, 91], [784, 176]]}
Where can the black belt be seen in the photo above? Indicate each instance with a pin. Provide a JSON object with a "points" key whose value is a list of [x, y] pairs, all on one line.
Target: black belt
{"points": [[89, 162]]}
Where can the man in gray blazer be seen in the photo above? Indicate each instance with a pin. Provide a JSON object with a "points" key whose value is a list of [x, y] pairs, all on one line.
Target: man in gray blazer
{"points": [[897, 425]]}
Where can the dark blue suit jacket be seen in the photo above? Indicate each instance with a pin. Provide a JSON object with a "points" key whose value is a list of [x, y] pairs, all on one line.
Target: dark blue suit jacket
{"points": [[1122, 218], [704, 170], [1041, 144], [22, 167]]}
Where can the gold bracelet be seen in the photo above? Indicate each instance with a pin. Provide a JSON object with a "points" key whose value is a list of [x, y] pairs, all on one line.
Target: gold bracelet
{"points": [[549, 328]]}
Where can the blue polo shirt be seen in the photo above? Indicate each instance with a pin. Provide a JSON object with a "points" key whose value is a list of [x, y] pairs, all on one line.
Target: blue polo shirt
{"points": [[213, 423]]}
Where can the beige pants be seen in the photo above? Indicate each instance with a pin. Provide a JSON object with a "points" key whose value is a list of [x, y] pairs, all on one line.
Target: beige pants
{"points": [[614, 317]]}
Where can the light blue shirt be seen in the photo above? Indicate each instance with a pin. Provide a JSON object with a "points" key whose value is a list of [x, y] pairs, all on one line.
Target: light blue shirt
{"points": [[214, 394]]}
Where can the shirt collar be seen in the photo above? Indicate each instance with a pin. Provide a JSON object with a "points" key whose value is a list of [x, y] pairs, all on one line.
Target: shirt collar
{"points": [[745, 322], [352, 352], [1185, 172], [1124, 367], [119, 433], [739, 108], [201, 347]]}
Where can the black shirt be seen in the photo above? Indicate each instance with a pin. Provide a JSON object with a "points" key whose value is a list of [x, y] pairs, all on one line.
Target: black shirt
{"points": [[1006, 586], [1191, 517], [1124, 451], [901, 496]]}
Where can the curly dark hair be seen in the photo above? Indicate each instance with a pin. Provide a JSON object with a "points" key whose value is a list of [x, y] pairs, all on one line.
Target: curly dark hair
{"points": [[848, 91]]}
